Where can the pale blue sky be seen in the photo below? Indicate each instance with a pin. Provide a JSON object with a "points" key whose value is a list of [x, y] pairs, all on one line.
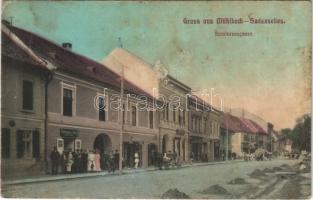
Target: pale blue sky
{"points": [[264, 73]]}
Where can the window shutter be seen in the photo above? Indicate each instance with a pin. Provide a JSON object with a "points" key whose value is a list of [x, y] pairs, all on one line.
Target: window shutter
{"points": [[5, 143], [36, 144], [19, 144]]}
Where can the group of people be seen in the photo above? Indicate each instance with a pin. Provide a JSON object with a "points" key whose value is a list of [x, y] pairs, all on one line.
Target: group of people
{"points": [[81, 161]]}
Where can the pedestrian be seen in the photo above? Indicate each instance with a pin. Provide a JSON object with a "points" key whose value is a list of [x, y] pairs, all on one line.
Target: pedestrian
{"points": [[79, 161], [84, 161], [55, 159], [74, 165], [116, 159], [112, 162], [69, 162], [63, 162], [97, 161], [91, 161], [136, 160]]}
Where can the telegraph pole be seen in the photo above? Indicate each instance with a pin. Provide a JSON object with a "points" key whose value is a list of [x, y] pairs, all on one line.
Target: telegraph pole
{"points": [[227, 136], [121, 117], [121, 123]]}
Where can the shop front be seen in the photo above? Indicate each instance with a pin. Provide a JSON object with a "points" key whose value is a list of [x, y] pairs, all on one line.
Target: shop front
{"points": [[198, 149], [68, 141], [129, 150]]}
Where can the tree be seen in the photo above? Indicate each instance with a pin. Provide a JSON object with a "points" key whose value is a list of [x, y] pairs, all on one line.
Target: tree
{"points": [[301, 133]]}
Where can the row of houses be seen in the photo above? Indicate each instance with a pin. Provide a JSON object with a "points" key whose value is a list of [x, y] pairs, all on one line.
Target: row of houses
{"points": [[54, 97]]}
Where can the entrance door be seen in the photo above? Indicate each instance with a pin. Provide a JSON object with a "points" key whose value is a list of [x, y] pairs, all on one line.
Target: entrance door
{"points": [[103, 144], [152, 151], [69, 144], [129, 150]]}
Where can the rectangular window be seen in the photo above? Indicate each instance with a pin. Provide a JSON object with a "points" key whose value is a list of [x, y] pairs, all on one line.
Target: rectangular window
{"points": [[101, 107], [24, 144], [151, 119], [67, 102], [134, 116], [174, 115], [5, 143], [28, 95]]}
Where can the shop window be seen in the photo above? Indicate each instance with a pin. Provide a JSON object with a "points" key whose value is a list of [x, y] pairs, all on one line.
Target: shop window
{"points": [[5, 142], [24, 144], [134, 116], [28, 98], [101, 107], [151, 119], [67, 102]]}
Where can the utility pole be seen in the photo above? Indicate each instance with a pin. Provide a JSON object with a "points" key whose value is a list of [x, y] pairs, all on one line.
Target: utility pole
{"points": [[121, 122], [227, 136]]}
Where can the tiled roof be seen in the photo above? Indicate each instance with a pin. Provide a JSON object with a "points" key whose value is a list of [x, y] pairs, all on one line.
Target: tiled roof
{"points": [[12, 49], [233, 123], [71, 62], [252, 126], [236, 124]]}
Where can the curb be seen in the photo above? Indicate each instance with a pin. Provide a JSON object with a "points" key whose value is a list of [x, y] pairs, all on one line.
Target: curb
{"points": [[98, 174]]}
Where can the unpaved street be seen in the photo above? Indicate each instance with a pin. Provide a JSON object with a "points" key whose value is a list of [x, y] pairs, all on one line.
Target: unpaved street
{"points": [[192, 181]]}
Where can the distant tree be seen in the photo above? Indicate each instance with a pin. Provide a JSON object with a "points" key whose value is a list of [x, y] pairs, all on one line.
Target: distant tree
{"points": [[301, 133], [286, 133]]}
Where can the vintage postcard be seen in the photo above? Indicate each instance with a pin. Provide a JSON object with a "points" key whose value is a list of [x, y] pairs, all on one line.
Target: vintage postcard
{"points": [[156, 99]]}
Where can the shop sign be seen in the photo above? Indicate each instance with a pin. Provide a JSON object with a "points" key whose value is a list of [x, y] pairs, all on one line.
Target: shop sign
{"points": [[68, 133]]}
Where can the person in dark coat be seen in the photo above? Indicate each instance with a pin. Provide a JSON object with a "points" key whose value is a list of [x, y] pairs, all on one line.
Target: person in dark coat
{"points": [[116, 159], [84, 161], [111, 162], [55, 158]]}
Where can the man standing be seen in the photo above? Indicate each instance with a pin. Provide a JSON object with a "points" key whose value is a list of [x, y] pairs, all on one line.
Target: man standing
{"points": [[116, 159], [55, 158]]}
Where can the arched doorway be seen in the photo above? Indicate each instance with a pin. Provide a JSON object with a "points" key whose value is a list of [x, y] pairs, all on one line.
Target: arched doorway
{"points": [[164, 143], [152, 154], [103, 143]]}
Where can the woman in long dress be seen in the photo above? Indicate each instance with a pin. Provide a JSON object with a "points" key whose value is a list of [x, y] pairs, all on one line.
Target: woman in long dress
{"points": [[136, 160], [69, 162], [97, 161], [91, 161]]}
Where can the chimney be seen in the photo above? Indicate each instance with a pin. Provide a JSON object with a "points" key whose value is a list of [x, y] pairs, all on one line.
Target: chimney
{"points": [[67, 45]]}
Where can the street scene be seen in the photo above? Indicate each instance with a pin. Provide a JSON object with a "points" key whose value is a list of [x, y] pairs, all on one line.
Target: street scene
{"points": [[276, 179], [156, 100]]}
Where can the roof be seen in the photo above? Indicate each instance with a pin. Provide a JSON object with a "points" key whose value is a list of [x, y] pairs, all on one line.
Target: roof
{"points": [[252, 127], [69, 61], [15, 49], [236, 124]]}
